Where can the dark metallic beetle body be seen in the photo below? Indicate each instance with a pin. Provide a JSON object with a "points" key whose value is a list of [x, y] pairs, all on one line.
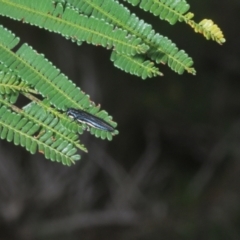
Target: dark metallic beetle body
{"points": [[89, 119]]}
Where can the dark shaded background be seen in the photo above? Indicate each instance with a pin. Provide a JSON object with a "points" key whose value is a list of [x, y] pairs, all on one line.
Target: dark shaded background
{"points": [[172, 173]]}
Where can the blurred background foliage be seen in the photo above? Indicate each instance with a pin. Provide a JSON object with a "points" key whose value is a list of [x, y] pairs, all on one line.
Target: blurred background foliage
{"points": [[172, 172]]}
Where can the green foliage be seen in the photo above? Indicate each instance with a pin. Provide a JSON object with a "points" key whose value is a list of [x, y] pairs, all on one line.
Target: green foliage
{"points": [[135, 65], [206, 27], [170, 11], [161, 49], [110, 24], [21, 131], [67, 22], [45, 128], [176, 10], [136, 49]]}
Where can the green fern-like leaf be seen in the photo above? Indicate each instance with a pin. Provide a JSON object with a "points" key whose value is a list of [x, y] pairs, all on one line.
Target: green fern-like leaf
{"points": [[51, 123], [135, 65], [169, 10], [21, 131], [208, 28], [10, 83], [176, 10], [47, 123], [67, 22], [162, 50], [38, 72]]}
